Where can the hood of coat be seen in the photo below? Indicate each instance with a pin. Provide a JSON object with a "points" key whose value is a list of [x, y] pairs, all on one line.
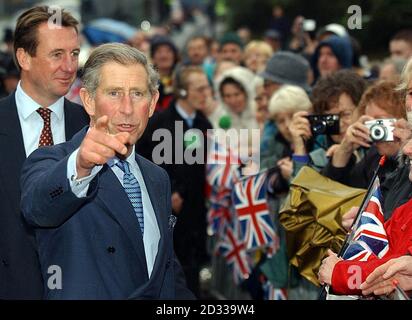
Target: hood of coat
{"points": [[246, 79]]}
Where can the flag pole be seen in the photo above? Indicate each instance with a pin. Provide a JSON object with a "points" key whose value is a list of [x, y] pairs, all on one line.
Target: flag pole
{"points": [[400, 294], [349, 236]]}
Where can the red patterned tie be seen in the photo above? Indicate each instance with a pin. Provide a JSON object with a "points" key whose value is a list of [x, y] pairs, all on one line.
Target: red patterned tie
{"points": [[46, 137]]}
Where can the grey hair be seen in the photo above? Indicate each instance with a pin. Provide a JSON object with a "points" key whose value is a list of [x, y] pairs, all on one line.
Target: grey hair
{"points": [[122, 54]]}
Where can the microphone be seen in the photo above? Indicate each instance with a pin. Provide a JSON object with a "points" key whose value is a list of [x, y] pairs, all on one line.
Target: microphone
{"points": [[225, 122]]}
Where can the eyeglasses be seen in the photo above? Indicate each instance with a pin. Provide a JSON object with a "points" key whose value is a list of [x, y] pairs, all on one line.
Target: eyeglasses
{"points": [[343, 115]]}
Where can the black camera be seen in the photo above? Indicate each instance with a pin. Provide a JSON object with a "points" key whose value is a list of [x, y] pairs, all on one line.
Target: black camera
{"points": [[324, 124]]}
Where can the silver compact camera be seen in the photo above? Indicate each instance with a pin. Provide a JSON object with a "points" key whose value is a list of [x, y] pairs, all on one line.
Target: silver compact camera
{"points": [[381, 129]]}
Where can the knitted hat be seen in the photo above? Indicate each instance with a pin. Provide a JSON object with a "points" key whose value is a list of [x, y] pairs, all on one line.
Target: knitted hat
{"points": [[341, 48], [287, 68]]}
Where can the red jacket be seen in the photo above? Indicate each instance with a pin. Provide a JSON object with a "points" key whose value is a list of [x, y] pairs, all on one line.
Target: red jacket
{"points": [[399, 231]]}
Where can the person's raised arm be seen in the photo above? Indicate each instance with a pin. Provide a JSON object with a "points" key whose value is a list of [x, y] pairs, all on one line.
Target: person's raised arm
{"points": [[300, 130]]}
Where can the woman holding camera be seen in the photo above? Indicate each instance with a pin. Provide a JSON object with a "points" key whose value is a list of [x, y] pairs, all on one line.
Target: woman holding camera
{"points": [[396, 188], [340, 274], [397, 195], [336, 94], [382, 129], [283, 104]]}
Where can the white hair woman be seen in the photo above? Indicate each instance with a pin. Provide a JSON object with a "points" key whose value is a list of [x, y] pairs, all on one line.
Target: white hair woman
{"points": [[283, 104]]}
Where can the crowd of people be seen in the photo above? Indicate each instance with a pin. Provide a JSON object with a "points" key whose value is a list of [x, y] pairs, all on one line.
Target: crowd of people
{"points": [[80, 189]]}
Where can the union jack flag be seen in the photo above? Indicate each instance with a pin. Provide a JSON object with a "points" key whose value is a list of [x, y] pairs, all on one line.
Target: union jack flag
{"points": [[272, 293], [221, 172], [219, 213], [369, 235], [222, 167], [249, 199], [234, 252]]}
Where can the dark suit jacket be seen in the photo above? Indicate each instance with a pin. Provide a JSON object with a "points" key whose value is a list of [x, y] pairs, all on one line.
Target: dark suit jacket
{"points": [[96, 240], [20, 276]]}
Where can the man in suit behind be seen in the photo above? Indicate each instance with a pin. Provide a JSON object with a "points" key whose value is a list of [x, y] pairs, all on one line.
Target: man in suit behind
{"points": [[35, 115], [102, 213], [188, 180]]}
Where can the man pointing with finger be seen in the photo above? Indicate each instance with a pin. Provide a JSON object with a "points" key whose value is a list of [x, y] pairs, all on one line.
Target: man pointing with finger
{"points": [[102, 213]]}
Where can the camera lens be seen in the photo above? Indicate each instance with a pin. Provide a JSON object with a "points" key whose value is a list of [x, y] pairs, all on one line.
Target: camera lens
{"points": [[377, 133], [319, 127]]}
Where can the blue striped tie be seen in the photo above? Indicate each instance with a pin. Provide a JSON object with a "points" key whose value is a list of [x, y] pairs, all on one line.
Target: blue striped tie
{"points": [[132, 188]]}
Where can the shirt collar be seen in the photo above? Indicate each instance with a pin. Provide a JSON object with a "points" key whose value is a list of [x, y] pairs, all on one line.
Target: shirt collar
{"points": [[26, 105], [131, 159], [184, 114]]}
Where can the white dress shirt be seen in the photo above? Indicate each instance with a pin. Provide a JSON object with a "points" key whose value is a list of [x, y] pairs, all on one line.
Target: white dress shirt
{"points": [[151, 235], [32, 123], [189, 118]]}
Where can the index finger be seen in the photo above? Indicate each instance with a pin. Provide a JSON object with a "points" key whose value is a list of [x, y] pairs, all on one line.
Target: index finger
{"points": [[102, 124], [300, 114], [401, 123], [110, 141], [368, 288], [122, 137], [392, 269], [376, 274], [331, 253]]}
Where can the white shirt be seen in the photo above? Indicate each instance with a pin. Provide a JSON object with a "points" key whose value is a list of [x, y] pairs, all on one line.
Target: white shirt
{"points": [[151, 235], [32, 123], [188, 118]]}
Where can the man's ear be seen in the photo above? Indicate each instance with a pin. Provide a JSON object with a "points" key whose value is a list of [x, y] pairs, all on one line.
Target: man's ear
{"points": [[23, 59], [88, 102], [153, 103]]}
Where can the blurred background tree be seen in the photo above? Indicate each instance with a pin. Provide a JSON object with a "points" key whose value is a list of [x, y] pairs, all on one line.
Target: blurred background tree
{"points": [[380, 18]]}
